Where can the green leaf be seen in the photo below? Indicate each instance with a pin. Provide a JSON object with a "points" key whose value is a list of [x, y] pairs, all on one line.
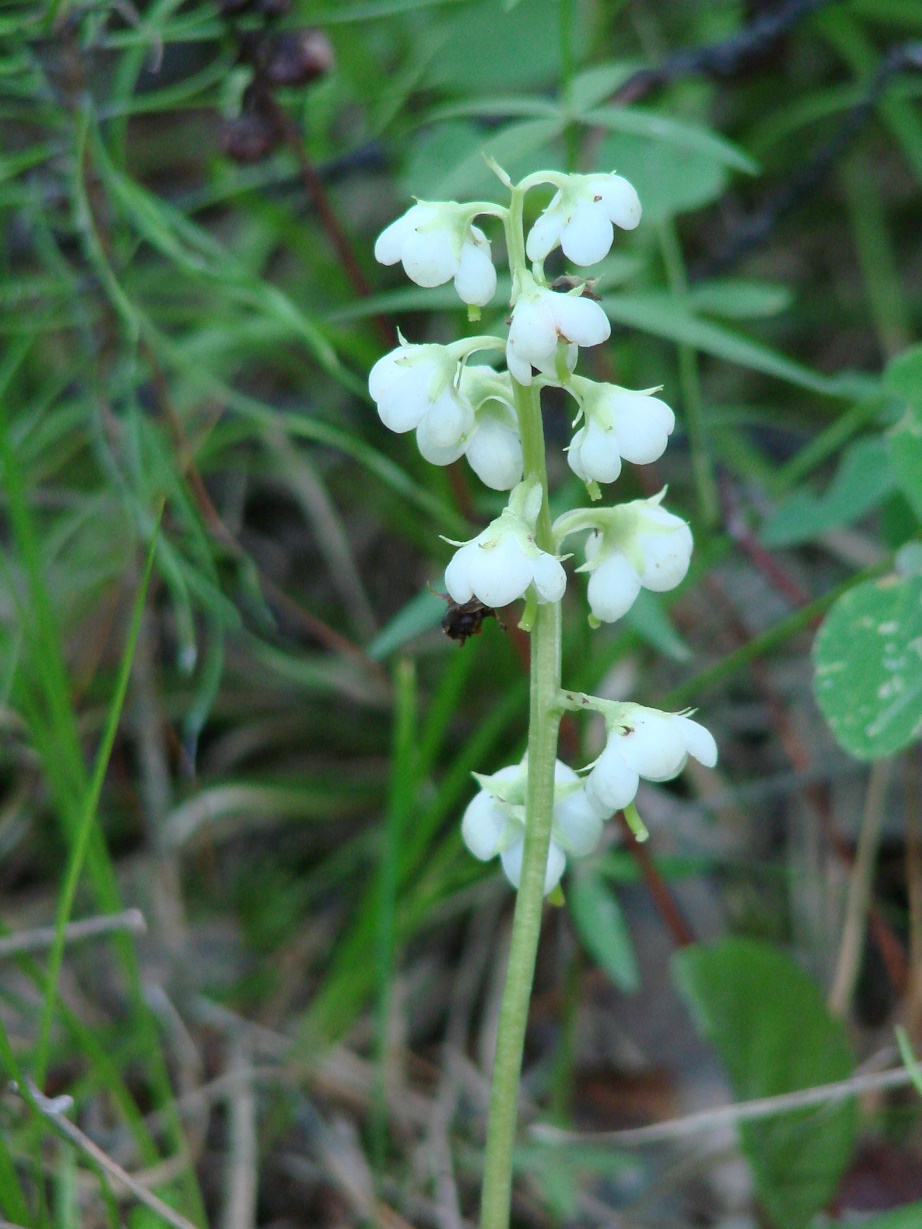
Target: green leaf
{"points": [[862, 482], [903, 377], [775, 1035], [663, 130], [868, 666], [739, 298], [669, 179], [600, 924], [649, 620], [906, 455], [659, 313]]}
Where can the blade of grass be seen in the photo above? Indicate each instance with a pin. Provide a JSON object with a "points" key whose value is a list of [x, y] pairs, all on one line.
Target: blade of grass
{"points": [[81, 842], [401, 803]]}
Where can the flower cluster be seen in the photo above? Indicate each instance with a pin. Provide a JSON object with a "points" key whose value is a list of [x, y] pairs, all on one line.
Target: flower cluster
{"points": [[459, 407]]}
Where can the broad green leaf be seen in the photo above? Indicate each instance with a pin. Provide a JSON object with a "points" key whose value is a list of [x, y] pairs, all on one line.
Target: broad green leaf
{"points": [[600, 924], [868, 666], [862, 482], [775, 1035], [738, 299], [903, 377]]}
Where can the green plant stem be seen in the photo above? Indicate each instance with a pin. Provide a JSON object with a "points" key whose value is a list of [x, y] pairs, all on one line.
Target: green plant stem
{"points": [[690, 381], [544, 721]]}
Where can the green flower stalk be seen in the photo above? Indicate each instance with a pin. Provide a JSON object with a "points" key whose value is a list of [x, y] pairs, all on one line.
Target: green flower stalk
{"points": [[535, 815]]}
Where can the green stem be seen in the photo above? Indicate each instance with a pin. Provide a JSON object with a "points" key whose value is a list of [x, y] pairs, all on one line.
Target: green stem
{"points": [[544, 720], [690, 381]]}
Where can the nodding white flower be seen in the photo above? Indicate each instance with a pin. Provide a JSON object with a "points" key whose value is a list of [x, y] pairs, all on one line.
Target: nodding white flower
{"points": [[436, 241], [633, 546], [618, 424], [414, 389], [501, 563], [494, 821], [580, 217], [493, 447], [541, 319], [643, 742]]}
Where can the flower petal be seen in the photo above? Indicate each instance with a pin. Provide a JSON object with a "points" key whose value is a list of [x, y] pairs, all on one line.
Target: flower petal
{"points": [[511, 859], [644, 425], [494, 453], [699, 742], [621, 201], [666, 556], [475, 280], [533, 331], [549, 577], [587, 237], [429, 256], [577, 824], [654, 745], [578, 319], [545, 234], [404, 402], [483, 826], [499, 572], [613, 588], [389, 244], [612, 783]]}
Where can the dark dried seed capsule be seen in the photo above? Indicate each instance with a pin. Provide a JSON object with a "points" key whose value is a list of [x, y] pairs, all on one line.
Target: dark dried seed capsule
{"points": [[568, 282], [249, 138], [296, 57]]}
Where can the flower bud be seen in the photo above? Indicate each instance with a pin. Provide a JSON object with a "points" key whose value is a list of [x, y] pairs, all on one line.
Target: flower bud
{"points": [[643, 742], [541, 319], [437, 241], [494, 821], [503, 561], [581, 215]]}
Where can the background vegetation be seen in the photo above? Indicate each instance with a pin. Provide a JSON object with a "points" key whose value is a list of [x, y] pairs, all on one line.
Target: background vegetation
{"points": [[226, 700]]}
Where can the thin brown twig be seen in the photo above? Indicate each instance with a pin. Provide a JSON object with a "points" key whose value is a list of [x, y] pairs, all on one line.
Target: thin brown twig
{"points": [[314, 186], [52, 1109], [730, 1115], [860, 888], [663, 898], [74, 932]]}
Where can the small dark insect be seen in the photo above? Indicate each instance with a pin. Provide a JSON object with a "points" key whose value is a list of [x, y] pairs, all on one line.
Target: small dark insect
{"points": [[465, 619]]}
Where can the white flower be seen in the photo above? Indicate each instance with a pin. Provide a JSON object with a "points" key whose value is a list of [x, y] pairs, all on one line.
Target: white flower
{"points": [[618, 424], [436, 241], [414, 388], [540, 319], [501, 563], [643, 742], [633, 546], [494, 821], [580, 218], [493, 447]]}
